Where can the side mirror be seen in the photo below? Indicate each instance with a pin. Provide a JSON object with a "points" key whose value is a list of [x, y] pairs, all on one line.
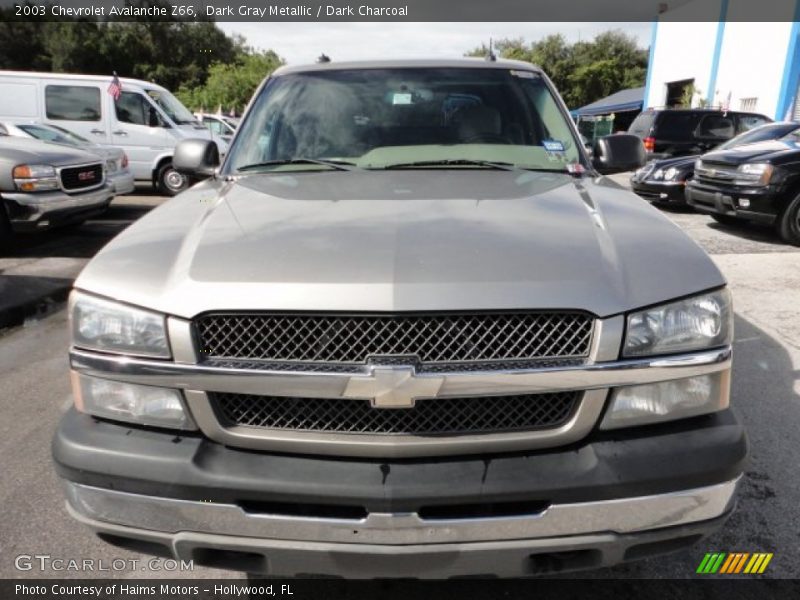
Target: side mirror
{"points": [[618, 152], [196, 158]]}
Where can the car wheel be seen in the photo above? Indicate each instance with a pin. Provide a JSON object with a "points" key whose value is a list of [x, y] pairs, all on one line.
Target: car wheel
{"points": [[169, 182], [788, 223], [727, 220]]}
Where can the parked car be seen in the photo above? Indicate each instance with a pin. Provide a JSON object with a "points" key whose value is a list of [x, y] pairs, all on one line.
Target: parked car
{"points": [[665, 180], [219, 125], [757, 182], [681, 132], [118, 174], [146, 121], [44, 185], [414, 334]]}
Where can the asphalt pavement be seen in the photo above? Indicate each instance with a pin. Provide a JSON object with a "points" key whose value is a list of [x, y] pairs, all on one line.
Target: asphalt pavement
{"points": [[764, 275]]}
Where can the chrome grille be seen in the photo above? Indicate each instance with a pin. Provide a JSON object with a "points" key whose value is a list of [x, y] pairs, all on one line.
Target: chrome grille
{"points": [[77, 178], [715, 174], [449, 338], [445, 416]]}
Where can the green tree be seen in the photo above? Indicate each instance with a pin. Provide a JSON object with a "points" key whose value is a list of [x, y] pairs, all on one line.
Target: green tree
{"points": [[231, 85], [585, 71], [172, 52]]}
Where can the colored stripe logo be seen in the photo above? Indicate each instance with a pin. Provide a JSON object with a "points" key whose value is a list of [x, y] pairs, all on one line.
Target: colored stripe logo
{"points": [[734, 563]]}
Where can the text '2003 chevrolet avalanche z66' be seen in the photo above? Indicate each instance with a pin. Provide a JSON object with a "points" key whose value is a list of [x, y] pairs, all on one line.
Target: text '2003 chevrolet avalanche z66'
{"points": [[405, 330]]}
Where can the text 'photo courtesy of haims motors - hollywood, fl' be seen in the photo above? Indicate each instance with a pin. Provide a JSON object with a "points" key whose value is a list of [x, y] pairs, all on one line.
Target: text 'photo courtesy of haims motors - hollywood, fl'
{"points": [[402, 299]]}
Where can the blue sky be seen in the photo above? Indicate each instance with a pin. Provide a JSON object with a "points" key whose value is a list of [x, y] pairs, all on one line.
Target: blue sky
{"points": [[303, 42]]}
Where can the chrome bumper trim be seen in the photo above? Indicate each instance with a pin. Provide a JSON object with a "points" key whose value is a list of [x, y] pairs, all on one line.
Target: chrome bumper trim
{"points": [[621, 516], [197, 379], [455, 384]]}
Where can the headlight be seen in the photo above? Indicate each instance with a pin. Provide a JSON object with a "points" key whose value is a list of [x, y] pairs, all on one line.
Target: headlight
{"points": [[108, 326], [695, 323], [144, 404], [670, 174], [111, 165], [35, 178], [753, 174], [658, 174], [668, 400]]}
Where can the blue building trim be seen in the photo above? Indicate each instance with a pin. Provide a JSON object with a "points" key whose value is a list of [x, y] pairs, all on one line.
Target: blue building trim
{"points": [[791, 69], [712, 79], [653, 35]]}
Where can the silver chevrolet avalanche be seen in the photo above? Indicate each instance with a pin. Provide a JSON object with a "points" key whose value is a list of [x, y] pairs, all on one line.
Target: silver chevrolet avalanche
{"points": [[406, 329]]}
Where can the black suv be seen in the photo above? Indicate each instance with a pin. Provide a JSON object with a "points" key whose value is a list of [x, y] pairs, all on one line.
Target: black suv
{"points": [[678, 132], [757, 182]]}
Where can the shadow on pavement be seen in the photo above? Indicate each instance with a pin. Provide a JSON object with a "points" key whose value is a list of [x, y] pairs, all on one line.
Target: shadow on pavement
{"points": [[79, 241]]}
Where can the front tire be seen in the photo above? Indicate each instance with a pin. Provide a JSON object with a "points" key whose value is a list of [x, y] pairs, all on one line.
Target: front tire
{"points": [[788, 223], [169, 182]]}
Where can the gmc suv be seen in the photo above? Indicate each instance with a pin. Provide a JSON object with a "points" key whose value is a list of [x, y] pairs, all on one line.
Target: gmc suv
{"points": [[405, 330]]}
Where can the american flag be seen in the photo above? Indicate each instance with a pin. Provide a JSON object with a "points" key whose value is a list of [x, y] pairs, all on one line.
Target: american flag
{"points": [[115, 87]]}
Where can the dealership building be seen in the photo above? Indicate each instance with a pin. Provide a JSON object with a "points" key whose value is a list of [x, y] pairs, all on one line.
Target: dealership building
{"points": [[730, 62]]}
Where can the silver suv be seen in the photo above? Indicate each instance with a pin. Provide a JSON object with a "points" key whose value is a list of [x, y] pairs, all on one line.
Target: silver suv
{"points": [[405, 330], [43, 185]]}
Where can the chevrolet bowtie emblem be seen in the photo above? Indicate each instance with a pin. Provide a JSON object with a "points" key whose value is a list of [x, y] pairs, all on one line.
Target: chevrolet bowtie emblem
{"points": [[393, 387]]}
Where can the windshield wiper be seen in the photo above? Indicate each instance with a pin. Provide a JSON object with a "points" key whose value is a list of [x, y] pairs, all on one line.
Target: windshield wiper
{"points": [[503, 166], [339, 165]]}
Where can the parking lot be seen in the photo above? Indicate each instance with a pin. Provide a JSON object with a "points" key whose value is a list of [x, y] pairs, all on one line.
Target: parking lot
{"points": [[764, 275]]}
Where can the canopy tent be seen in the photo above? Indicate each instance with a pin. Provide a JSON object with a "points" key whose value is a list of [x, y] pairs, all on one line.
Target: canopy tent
{"points": [[621, 101]]}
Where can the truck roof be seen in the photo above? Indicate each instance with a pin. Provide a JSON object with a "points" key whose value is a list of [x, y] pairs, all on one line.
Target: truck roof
{"points": [[79, 77], [475, 63]]}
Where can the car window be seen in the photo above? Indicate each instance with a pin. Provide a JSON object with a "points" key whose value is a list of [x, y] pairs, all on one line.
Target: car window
{"points": [[172, 107], [46, 134], [748, 122], [716, 126], [759, 134], [677, 125], [213, 125], [72, 103], [132, 108], [379, 117], [642, 124]]}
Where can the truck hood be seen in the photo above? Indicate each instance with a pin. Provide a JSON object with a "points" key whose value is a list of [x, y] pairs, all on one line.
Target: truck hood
{"points": [[18, 150], [401, 241], [760, 151]]}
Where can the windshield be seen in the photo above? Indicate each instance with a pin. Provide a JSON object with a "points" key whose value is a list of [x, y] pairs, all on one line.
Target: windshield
{"points": [[760, 134], [55, 135], [176, 111], [379, 118]]}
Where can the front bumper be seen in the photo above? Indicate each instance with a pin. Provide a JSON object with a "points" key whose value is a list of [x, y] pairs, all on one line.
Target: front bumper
{"points": [[764, 203], [660, 191], [517, 556], [37, 211], [122, 182], [615, 496]]}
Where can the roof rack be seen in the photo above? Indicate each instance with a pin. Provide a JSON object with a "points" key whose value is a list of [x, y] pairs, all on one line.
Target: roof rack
{"points": [[323, 58]]}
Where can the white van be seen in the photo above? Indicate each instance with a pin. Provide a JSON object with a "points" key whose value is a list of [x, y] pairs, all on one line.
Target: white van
{"points": [[146, 121]]}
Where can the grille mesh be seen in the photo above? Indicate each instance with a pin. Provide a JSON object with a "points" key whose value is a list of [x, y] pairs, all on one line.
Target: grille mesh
{"points": [[75, 178], [444, 416], [429, 338]]}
